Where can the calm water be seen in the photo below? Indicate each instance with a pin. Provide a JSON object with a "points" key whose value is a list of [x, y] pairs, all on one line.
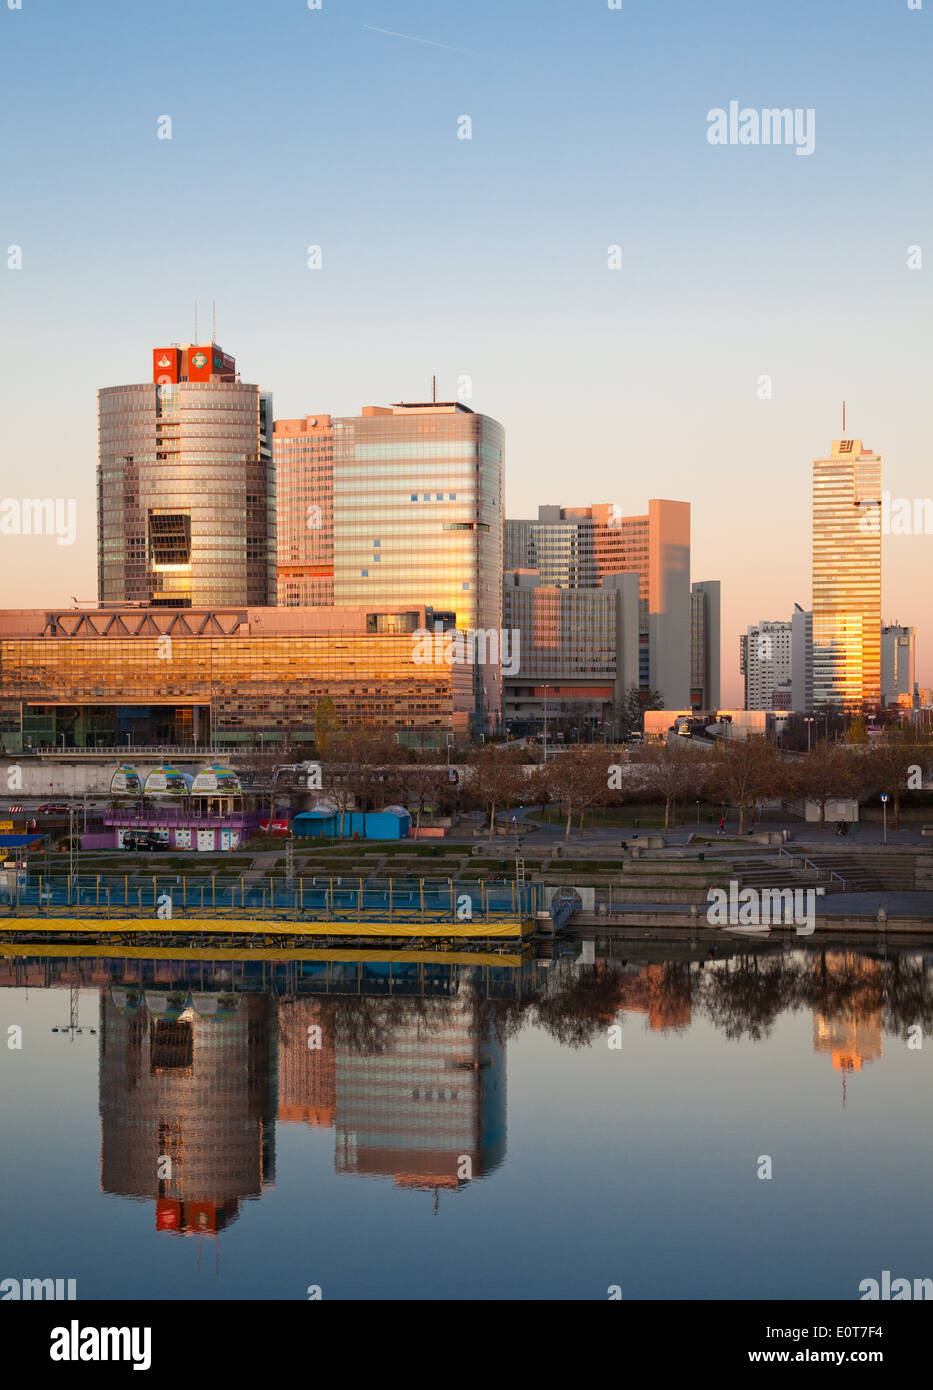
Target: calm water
{"points": [[457, 1131]]}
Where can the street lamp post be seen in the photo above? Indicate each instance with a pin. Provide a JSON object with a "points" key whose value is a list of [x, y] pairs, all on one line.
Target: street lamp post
{"points": [[546, 689], [698, 815], [808, 721], [884, 811]]}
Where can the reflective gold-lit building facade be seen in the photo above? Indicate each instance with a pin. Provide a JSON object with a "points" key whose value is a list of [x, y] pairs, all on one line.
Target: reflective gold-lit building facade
{"points": [[102, 678], [851, 1035], [418, 518], [186, 509], [847, 578]]}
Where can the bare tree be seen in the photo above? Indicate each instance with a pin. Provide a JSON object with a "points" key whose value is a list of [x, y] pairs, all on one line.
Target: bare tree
{"points": [[421, 787], [826, 772], [745, 771], [887, 763], [256, 768], [578, 779], [673, 773], [496, 780]]}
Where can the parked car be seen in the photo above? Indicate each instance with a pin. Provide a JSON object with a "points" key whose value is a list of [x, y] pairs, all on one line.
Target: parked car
{"points": [[141, 840]]}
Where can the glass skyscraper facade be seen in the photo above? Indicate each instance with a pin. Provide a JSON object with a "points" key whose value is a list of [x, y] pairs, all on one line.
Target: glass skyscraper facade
{"points": [[304, 472], [186, 486], [847, 578], [418, 518]]}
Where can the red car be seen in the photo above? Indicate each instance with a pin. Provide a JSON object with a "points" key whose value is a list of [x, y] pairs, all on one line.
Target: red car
{"points": [[53, 808]]}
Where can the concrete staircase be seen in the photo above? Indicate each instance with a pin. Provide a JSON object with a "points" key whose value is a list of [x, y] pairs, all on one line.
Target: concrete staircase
{"points": [[869, 871]]}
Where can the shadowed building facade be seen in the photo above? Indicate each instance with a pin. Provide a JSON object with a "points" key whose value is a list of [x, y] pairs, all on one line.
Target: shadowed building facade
{"points": [[582, 547]]}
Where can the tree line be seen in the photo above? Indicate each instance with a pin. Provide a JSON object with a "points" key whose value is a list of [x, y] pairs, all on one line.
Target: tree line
{"points": [[365, 770]]}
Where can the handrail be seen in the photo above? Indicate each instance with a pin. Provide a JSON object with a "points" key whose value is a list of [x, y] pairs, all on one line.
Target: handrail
{"points": [[126, 751], [810, 863]]}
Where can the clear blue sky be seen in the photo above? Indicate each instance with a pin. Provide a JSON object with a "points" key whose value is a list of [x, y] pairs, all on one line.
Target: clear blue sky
{"points": [[486, 257]]}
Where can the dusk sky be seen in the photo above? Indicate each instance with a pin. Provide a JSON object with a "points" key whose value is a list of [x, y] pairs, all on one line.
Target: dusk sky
{"points": [[487, 257]]}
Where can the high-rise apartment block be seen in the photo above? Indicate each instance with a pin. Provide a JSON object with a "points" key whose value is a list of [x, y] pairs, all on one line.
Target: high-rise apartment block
{"points": [[766, 664], [847, 578], [186, 486]]}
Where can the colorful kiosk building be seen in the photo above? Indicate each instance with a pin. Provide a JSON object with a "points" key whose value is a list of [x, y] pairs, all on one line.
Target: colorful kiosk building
{"points": [[207, 811]]}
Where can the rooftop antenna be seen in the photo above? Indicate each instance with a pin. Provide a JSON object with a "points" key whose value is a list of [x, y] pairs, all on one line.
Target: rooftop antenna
{"points": [[843, 419], [195, 321], [434, 389], [213, 321]]}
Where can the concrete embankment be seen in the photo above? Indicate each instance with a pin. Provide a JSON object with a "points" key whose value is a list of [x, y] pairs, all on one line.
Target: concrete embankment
{"points": [[918, 926]]}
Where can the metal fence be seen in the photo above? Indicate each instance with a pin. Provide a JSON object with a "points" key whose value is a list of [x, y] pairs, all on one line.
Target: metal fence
{"points": [[304, 898]]}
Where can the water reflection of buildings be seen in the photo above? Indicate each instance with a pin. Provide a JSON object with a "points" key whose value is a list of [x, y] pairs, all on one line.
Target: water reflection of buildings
{"points": [[199, 1059], [191, 1080], [413, 1087], [852, 1033], [651, 990], [307, 1062], [415, 1090]]}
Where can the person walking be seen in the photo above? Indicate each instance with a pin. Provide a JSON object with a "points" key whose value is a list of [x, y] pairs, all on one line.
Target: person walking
{"points": [[722, 825]]}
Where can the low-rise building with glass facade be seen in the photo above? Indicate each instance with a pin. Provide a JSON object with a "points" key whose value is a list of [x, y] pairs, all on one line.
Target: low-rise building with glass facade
{"points": [[206, 678]]}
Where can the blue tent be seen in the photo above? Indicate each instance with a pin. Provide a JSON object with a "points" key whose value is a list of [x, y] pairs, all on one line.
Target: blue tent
{"points": [[392, 823]]}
